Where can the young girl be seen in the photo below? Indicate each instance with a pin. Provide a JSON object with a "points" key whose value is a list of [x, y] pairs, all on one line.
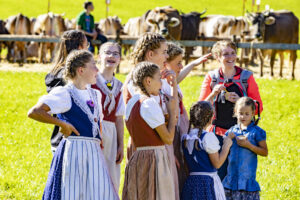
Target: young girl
{"points": [[78, 169], [250, 141], [152, 47], [70, 40], [148, 174], [174, 62], [200, 150], [113, 109]]}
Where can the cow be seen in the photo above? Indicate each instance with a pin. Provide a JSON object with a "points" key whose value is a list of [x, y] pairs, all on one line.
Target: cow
{"points": [[49, 24], [276, 27], [224, 26], [70, 24], [111, 26], [174, 26], [165, 21], [3, 30], [18, 25], [135, 27]]}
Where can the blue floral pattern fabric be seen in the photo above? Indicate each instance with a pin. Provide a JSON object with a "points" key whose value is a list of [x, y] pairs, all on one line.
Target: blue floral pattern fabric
{"points": [[242, 166], [198, 187]]}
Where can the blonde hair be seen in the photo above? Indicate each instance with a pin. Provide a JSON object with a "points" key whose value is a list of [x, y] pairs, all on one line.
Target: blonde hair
{"points": [[76, 59], [218, 46], [148, 41], [173, 51]]}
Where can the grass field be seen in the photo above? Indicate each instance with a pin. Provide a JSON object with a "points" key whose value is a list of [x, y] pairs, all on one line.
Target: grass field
{"points": [[25, 154]]}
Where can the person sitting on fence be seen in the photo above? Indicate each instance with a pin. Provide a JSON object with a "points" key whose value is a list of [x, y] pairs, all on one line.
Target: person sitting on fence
{"points": [[223, 87], [85, 22]]}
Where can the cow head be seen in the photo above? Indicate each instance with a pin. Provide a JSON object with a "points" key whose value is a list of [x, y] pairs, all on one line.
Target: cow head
{"points": [[259, 22], [164, 20]]}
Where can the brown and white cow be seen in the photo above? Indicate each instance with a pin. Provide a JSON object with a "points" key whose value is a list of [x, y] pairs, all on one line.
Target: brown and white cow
{"points": [[276, 27], [174, 26], [111, 26], [18, 25], [49, 24]]}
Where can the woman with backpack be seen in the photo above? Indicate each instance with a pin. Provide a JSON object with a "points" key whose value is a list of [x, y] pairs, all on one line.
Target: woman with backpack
{"points": [[223, 87]]}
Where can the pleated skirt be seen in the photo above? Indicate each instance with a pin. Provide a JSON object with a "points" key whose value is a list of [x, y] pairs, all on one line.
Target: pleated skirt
{"points": [[78, 171]]}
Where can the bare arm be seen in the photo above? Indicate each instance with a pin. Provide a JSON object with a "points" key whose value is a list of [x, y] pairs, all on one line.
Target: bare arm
{"points": [[39, 112], [167, 133], [120, 142], [188, 68], [261, 149], [78, 27], [217, 159]]}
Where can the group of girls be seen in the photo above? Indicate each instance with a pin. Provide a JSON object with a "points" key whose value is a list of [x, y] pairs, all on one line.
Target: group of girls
{"points": [[168, 156]]}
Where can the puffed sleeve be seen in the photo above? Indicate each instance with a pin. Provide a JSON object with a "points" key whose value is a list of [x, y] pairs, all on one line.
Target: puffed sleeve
{"points": [[211, 143], [152, 113], [58, 100], [260, 135], [205, 88], [253, 92]]}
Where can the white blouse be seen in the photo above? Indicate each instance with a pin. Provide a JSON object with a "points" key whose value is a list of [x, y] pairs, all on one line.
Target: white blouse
{"points": [[59, 100], [150, 111]]}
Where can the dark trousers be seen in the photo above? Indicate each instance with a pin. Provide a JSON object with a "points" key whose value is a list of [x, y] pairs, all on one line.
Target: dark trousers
{"points": [[100, 37], [222, 171]]}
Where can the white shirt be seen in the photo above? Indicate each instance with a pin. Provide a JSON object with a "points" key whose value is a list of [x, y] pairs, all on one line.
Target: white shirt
{"points": [[59, 100], [150, 111]]}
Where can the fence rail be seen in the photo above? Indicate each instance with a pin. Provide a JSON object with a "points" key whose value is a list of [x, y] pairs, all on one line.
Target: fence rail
{"points": [[131, 40]]}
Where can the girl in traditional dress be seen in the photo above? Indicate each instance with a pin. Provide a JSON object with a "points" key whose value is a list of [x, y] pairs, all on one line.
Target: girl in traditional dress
{"points": [[78, 169], [113, 109], [200, 150], [152, 47], [148, 174], [174, 62]]}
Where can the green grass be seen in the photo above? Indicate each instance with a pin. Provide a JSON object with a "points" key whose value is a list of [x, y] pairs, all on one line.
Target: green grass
{"points": [[25, 154]]}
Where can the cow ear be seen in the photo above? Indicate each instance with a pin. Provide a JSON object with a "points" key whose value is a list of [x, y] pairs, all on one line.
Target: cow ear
{"points": [[174, 22], [269, 20]]}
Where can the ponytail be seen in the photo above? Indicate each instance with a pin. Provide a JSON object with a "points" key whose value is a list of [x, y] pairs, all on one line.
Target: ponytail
{"points": [[258, 112]]}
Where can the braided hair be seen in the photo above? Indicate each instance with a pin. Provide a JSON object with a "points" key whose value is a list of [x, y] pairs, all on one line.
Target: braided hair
{"points": [[140, 72], [76, 59], [148, 41], [70, 40], [201, 113], [247, 101], [173, 51]]}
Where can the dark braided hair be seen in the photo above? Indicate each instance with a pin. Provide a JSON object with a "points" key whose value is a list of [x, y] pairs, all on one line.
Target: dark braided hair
{"points": [[201, 113], [76, 59], [247, 101], [141, 71], [70, 40]]}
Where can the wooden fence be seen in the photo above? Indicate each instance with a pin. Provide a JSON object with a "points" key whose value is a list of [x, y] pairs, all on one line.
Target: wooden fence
{"points": [[131, 40]]}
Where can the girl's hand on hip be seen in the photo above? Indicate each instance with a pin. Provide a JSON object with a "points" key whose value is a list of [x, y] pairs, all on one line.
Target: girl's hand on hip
{"points": [[67, 129]]}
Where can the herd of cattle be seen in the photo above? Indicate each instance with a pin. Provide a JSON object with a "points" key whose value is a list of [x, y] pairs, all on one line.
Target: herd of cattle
{"points": [[267, 27]]}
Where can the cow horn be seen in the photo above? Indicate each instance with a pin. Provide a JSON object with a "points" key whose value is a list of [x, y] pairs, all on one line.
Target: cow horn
{"points": [[204, 11], [174, 22]]}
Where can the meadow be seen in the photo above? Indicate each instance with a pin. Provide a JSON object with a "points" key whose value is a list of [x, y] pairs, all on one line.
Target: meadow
{"points": [[25, 154]]}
